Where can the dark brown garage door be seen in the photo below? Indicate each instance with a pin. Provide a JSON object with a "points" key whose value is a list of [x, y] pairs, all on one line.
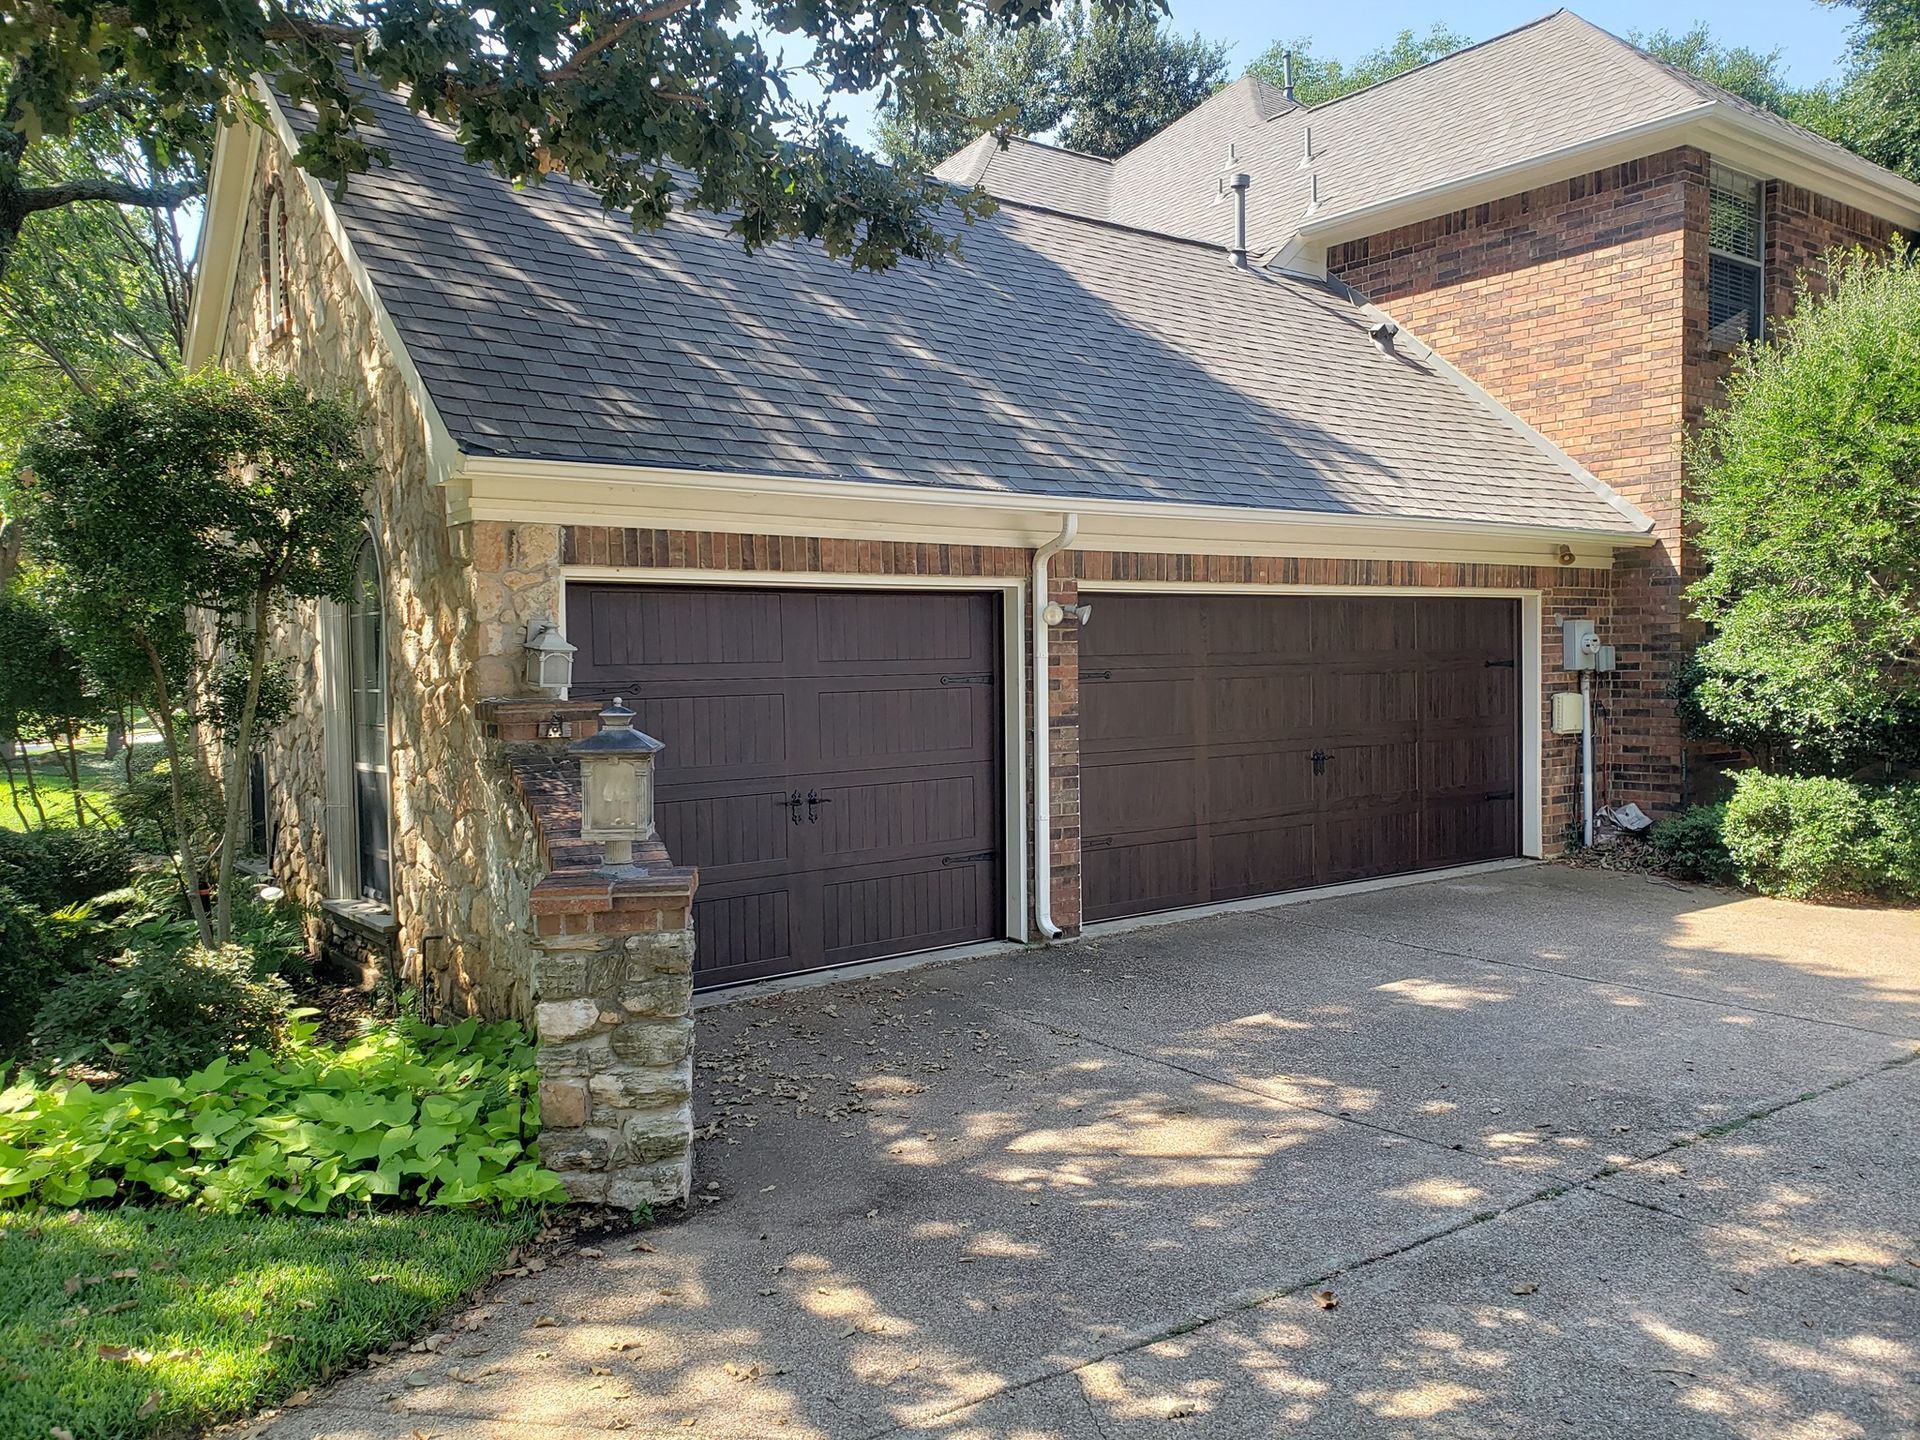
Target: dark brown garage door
{"points": [[1243, 745], [832, 762]]}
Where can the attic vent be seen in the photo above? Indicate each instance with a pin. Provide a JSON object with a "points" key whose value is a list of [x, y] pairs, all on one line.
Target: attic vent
{"points": [[1736, 254]]}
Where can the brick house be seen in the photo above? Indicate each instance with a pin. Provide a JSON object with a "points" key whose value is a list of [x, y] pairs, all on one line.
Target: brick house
{"points": [[1328, 416]]}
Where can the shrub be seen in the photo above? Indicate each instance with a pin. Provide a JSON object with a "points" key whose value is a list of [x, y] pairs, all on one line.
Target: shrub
{"points": [[443, 1115], [38, 952], [1811, 836], [1692, 845], [156, 1011], [54, 868]]}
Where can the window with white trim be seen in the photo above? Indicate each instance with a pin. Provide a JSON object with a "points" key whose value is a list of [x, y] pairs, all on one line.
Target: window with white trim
{"points": [[1736, 257], [367, 685]]}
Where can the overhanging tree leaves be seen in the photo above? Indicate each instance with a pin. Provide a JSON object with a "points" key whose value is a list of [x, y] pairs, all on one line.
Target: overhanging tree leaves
{"points": [[654, 103], [216, 494], [1808, 506], [1318, 79]]}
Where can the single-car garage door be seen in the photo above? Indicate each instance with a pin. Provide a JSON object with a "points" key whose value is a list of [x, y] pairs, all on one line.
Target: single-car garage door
{"points": [[833, 762], [1243, 745]]}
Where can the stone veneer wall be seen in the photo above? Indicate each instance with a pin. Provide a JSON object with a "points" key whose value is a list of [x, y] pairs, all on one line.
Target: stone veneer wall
{"points": [[1566, 592], [463, 846]]}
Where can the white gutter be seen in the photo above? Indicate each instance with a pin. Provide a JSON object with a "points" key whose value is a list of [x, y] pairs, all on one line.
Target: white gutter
{"points": [[1042, 718]]}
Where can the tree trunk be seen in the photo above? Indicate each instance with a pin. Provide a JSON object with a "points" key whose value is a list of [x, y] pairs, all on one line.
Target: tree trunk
{"points": [[239, 760], [13, 784], [70, 762], [162, 713], [33, 788], [116, 734]]}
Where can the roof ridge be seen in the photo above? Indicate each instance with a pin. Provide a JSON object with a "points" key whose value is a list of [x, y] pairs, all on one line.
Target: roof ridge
{"points": [[1449, 56]]}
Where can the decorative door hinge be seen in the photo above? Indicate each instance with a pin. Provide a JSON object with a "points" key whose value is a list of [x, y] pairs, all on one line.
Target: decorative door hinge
{"points": [[982, 679], [1499, 664], [973, 859]]}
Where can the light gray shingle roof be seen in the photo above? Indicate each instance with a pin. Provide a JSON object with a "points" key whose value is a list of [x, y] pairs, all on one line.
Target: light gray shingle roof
{"points": [[1556, 83], [1059, 358]]}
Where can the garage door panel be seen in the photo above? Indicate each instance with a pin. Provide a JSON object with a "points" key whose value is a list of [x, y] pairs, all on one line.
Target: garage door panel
{"points": [[918, 908], [1378, 842], [1463, 831], [1349, 699], [1409, 703], [903, 724], [735, 732], [712, 631], [1160, 794], [1270, 708], [743, 934], [1260, 784], [1469, 694], [905, 634], [744, 827], [1469, 763], [1351, 626], [1259, 861], [1138, 878], [1137, 710], [885, 707], [1385, 772], [908, 816]]}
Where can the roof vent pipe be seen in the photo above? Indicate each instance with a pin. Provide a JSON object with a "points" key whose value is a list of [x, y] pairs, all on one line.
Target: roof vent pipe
{"points": [[1237, 252], [1286, 73], [1306, 148]]}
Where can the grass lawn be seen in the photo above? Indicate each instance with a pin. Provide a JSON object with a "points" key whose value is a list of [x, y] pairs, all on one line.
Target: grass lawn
{"points": [[130, 1322], [98, 777]]}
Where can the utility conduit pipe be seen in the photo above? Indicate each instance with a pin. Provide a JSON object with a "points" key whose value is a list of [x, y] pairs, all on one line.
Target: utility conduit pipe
{"points": [[1042, 733]]}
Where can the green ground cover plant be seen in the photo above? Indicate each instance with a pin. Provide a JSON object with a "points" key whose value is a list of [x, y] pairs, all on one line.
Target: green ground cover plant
{"points": [[137, 1321], [437, 1115]]}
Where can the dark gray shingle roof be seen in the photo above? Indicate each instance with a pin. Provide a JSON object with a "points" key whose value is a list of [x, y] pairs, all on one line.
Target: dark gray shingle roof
{"points": [[1059, 358]]}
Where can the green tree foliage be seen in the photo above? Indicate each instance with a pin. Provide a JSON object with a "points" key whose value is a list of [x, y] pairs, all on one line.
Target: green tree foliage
{"points": [[1808, 507], [1318, 79], [1128, 78], [1101, 83], [212, 493], [996, 78], [653, 103]]}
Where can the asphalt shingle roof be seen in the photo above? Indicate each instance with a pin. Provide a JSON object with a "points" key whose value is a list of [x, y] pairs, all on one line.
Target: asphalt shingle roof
{"points": [[1058, 358], [1549, 85]]}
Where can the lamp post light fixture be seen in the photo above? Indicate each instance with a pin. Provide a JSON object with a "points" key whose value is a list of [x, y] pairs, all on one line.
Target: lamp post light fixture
{"points": [[616, 784], [549, 658]]}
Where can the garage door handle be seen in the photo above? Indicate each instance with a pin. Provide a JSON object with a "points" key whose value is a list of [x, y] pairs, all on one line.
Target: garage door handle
{"points": [[792, 806]]}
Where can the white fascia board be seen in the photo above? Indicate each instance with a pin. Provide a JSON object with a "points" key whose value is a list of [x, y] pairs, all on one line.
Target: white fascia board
{"points": [[1485, 186], [443, 454], [656, 498], [1774, 152], [236, 154], [1778, 153]]}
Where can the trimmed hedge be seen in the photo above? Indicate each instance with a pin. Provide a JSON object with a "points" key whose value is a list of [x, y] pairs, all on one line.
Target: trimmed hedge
{"points": [[1809, 837]]}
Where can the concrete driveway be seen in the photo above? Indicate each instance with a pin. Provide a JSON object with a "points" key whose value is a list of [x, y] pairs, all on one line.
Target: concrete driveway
{"points": [[1536, 1152]]}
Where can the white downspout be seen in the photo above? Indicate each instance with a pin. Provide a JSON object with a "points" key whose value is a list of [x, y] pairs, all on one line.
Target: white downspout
{"points": [[1042, 716], [1586, 757]]}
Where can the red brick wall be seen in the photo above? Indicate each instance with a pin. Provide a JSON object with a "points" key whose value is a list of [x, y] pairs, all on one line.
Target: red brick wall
{"points": [[1568, 304], [1582, 306], [1564, 592]]}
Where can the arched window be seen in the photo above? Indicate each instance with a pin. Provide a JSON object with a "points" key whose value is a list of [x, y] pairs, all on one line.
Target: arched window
{"points": [[367, 681], [273, 259]]}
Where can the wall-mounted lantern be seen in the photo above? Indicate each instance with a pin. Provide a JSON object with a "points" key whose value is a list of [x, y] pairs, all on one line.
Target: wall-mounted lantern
{"points": [[616, 784], [549, 658]]}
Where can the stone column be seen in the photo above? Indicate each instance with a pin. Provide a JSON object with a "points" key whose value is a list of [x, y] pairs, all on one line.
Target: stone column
{"points": [[613, 995], [612, 982]]}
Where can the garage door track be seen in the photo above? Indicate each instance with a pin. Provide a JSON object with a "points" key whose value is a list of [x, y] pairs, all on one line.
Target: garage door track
{"points": [[1533, 1152]]}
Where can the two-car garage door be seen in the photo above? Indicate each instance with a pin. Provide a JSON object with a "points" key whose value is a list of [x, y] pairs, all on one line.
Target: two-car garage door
{"points": [[1240, 745], [835, 759]]}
